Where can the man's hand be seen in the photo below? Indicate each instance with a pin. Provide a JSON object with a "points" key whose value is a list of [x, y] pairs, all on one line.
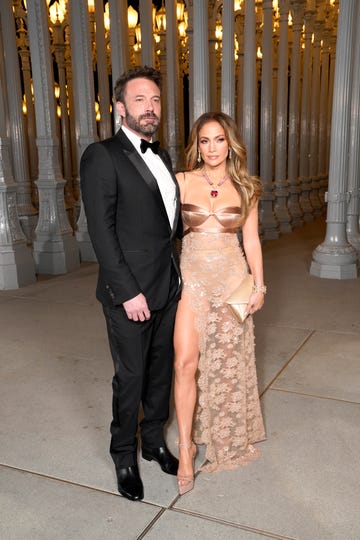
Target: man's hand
{"points": [[137, 309]]}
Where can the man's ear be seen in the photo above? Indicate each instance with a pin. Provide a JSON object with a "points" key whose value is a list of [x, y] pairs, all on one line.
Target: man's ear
{"points": [[120, 108]]}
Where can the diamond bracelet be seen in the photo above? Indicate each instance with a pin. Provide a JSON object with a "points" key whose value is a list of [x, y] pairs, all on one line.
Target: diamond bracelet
{"points": [[259, 288]]}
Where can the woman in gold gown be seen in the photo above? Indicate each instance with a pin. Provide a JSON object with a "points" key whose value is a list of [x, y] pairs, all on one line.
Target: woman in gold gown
{"points": [[216, 393]]}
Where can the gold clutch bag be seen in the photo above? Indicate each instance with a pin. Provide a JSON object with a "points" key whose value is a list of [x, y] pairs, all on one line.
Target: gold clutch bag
{"points": [[239, 299]]}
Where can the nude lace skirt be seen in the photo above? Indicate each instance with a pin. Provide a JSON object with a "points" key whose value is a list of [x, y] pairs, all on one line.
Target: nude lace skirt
{"points": [[228, 418]]}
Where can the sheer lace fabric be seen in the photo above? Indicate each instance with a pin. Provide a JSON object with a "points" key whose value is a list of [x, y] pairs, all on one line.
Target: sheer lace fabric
{"points": [[228, 417]]}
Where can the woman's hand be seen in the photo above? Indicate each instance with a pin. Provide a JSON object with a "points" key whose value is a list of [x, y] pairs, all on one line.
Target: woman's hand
{"points": [[256, 302]]}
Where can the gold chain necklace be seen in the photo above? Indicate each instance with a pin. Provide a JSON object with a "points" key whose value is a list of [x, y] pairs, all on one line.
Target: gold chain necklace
{"points": [[215, 187]]}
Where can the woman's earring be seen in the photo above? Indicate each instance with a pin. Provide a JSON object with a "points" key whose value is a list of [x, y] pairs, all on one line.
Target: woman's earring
{"points": [[199, 157], [230, 154]]}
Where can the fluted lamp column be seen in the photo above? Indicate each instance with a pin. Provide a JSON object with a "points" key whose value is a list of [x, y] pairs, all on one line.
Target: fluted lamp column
{"points": [[17, 267], [323, 112], [305, 115], [199, 56], [58, 41], [213, 57], [333, 40], [250, 91], [281, 183], [83, 80], [102, 69], [352, 223], [71, 115], [314, 113], [228, 63], [55, 248], [239, 83], [119, 45], [21, 169], [24, 53], [294, 117], [147, 39], [336, 258], [217, 66], [160, 21], [173, 131], [119, 39], [268, 220]]}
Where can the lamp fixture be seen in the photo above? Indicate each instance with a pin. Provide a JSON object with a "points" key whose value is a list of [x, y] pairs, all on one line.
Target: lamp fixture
{"points": [[161, 19], [132, 16], [180, 8], [57, 11]]}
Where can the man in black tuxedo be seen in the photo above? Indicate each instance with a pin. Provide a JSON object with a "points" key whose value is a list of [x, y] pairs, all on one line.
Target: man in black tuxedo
{"points": [[131, 202]]}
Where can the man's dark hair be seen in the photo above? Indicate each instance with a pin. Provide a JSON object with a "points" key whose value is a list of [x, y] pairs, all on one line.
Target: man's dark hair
{"points": [[139, 72]]}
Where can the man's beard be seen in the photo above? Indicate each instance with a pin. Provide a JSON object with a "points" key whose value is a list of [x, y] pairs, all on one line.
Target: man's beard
{"points": [[148, 129]]}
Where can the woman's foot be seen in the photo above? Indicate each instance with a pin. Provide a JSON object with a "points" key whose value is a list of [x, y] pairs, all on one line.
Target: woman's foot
{"points": [[185, 475]]}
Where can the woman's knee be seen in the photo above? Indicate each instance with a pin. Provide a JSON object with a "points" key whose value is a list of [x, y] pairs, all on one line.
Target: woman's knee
{"points": [[186, 363]]}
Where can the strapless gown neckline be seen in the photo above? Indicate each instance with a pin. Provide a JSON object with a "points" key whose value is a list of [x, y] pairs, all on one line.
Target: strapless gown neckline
{"points": [[228, 218]]}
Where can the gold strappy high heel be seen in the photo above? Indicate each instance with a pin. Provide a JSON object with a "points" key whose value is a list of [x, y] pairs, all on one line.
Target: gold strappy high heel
{"points": [[184, 488]]}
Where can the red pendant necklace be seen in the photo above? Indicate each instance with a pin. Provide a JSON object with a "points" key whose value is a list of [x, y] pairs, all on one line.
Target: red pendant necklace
{"points": [[215, 187]]}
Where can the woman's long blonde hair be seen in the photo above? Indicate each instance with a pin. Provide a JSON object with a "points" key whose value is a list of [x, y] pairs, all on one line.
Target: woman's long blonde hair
{"points": [[249, 187]]}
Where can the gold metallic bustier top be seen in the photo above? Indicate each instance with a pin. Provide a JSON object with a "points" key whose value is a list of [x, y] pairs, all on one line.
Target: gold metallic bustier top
{"points": [[229, 218]]}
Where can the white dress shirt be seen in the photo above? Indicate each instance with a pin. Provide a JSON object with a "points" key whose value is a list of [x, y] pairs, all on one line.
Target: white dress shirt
{"points": [[160, 172]]}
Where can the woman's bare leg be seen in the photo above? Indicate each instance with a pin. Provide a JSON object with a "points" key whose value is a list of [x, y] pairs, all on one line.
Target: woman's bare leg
{"points": [[186, 343]]}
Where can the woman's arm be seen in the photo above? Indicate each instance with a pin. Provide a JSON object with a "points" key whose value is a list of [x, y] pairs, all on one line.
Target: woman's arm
{"points": [[253, 254]]}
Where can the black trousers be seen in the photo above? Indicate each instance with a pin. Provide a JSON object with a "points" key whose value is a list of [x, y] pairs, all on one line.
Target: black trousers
{"points": [[143, 354]]}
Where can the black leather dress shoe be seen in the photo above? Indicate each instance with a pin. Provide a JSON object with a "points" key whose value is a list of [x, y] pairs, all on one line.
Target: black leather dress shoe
{"points": [[162, 455], [129, 483]]}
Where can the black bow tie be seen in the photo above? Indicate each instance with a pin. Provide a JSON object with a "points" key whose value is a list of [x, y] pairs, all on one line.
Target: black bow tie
{"points": [[154, 146]]}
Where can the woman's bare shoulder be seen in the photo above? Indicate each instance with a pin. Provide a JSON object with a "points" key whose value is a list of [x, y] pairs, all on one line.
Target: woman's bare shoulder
{"points": [[184, 176], [180, 176]]}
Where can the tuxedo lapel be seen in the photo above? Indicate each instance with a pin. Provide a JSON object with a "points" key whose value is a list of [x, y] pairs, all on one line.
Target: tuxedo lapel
{"points": [[142, 168], [147, 175]]}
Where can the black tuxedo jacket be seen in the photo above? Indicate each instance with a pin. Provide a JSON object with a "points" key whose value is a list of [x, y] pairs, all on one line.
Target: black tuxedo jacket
{"points": [[127, 223]]}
